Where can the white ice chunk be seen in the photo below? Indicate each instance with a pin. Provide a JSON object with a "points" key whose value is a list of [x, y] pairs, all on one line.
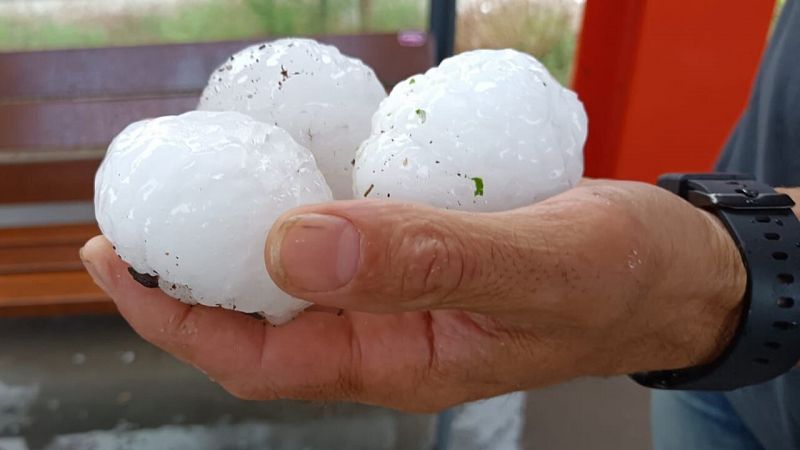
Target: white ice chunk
{"points": [[191, 198], [487, 130], [325, 100]]}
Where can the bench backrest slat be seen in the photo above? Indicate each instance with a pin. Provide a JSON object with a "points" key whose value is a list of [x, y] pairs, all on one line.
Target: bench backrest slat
{"points": [[167, 69], [61, 181], [66, 125]]}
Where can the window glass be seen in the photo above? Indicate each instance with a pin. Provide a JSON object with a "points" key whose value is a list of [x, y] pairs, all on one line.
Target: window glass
{"points": [[547, 29], [49, 24]]}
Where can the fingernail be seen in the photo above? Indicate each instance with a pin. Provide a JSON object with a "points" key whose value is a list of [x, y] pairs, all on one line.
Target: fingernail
{"points": [[317, 253], [97, 275]]}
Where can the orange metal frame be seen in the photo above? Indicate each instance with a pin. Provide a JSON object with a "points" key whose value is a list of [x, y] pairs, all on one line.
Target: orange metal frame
{"points": [[664, 81]]}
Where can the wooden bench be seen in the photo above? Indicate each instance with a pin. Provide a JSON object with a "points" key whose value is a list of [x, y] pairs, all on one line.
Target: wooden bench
{"points": [[60, 109]]}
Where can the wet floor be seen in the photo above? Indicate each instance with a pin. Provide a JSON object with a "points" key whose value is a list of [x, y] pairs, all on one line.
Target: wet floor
{"points": [[90, 382]]}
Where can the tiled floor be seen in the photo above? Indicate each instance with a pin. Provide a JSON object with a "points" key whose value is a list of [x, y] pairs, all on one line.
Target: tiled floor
{"points": [[76, 375], [596, 414]]}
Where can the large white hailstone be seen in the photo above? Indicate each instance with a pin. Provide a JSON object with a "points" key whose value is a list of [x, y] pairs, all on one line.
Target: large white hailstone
{"points": [[188, 200], [487, 130], [324, 99]]}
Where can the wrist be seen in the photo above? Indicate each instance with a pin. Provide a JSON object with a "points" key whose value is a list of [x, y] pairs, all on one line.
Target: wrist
{"points": [[726, 295], [795, 194], [730, 294], [764, 230]]}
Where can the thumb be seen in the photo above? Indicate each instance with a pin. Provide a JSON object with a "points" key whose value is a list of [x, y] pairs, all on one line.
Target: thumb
{"points": [[375, 256]]}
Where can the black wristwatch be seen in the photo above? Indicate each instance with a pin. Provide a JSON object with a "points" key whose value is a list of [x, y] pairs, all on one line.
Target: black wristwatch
{"points": [[767, 233]]}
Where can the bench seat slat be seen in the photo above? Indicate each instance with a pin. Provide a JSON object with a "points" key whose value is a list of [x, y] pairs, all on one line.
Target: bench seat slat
{"points": [[39, 259], [47, 236], [51, 293], [43, 249], [41, 272]]}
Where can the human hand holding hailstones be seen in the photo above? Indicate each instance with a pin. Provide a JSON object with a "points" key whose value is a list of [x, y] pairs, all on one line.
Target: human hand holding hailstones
{"points": [[471, 262]]}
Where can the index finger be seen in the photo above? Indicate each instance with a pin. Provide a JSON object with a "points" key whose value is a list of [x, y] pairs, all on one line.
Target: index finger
{"points": [[317, 356], [244, 354]]}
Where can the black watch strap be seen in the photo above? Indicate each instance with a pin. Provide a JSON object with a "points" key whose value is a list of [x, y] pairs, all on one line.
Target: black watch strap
{"points": [[767, 233]]}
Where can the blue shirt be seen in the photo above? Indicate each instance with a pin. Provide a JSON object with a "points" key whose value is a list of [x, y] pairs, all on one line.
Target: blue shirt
{"points": [[766, 143]]}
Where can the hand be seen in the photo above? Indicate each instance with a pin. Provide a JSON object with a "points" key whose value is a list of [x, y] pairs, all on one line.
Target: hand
{"points": [[442, 307]]}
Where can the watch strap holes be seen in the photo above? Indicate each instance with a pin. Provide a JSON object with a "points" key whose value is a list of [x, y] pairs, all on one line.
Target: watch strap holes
{"points": [[785, 302], [772, 345], [785, 278], [780, 256], [784, 325], [772, 236]]}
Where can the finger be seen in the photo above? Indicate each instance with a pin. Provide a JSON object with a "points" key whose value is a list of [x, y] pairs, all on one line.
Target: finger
{"points": [[318, 356], [390, 257], [220, 342]]}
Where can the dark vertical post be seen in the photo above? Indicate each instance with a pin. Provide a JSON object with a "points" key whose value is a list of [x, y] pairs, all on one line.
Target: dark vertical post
{"points": [[443, 27], [323, 16], [365, 14]]}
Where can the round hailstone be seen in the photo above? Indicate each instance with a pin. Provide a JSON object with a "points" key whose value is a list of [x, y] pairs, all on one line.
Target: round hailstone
{"points": [[324, 99], [188, 200], [487, 130]]}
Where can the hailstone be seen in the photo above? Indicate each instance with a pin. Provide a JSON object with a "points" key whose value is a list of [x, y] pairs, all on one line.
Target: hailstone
{"points": [[188, 200], [487, 130], [325, 100]]}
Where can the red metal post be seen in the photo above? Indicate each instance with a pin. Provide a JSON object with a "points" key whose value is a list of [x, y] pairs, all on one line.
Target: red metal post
{"points": [[664, 81]]}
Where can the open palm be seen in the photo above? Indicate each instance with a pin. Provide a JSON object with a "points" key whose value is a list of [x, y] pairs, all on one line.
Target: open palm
{"points": [[446, 307]]}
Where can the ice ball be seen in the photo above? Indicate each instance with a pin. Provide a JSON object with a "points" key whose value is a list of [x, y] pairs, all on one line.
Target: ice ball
{"points": [[188, 200], [487, 130], [324, 99]]}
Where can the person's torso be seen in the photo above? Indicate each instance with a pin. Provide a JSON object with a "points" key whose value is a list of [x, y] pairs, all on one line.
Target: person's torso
{"points": [[766, 143]]}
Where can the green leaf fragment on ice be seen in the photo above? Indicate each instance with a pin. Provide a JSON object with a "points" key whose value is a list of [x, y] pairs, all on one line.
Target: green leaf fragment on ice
{"points": [[478, 186], [412, 81], [422, 114]]}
